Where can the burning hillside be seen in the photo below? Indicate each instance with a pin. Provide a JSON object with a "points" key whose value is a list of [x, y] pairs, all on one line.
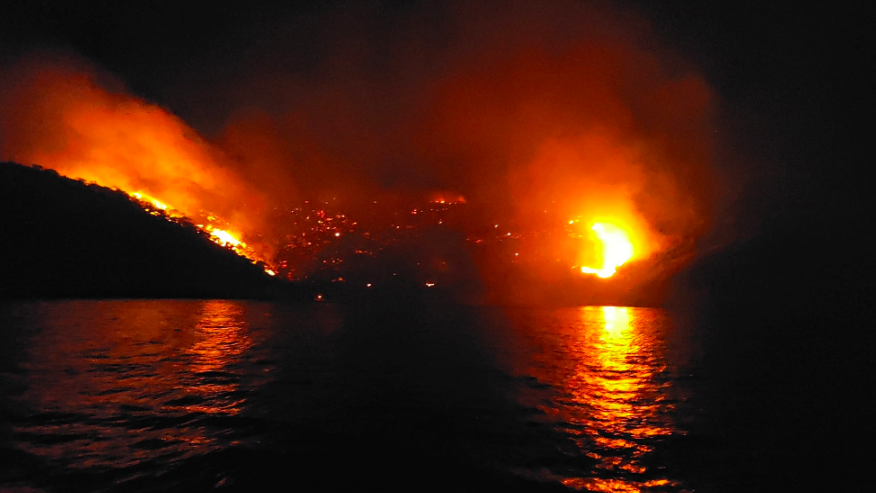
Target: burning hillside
{"points": [[66, 238], [546, 159], [207, 223], [63, 120], [452, 246]]}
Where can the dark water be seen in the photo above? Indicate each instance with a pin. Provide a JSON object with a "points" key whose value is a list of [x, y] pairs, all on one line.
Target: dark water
{"points": [[243, 396]]}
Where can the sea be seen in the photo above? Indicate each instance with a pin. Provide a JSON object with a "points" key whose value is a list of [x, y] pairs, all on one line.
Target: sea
{"points": [[423, 395]]}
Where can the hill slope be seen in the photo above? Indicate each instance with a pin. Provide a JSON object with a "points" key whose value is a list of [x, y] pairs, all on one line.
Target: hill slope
{"points": [[64, 238]]}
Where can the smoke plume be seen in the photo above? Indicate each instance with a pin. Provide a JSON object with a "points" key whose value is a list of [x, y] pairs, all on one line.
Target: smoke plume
{"points": [[529, 110]]}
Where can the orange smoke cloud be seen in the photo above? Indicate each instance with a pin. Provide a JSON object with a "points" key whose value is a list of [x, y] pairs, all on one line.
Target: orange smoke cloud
{"points": [[536, 114], [598, 131], [57, 115]]}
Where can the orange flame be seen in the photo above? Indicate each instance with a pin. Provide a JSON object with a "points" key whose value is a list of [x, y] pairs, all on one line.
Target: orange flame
{"points": [[617, 249], [64, 120], [224, 238], [219, 236]]}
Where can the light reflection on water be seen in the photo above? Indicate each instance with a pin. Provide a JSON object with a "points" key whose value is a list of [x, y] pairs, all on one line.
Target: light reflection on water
{"points": [[223, 339], [143, 388], [119, 394], [615, 399]]}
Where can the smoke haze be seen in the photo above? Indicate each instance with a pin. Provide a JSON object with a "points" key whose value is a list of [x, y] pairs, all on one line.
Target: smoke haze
{"points": [[529, 110]]}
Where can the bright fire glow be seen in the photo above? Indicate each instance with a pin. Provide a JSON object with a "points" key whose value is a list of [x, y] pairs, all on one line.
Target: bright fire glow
{"points": [[157, 203], [617, 249], [121, 142], [225, 238], [219, 236]]}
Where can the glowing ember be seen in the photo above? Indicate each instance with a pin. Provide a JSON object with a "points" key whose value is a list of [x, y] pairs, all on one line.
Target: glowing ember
{"points": [[448, 199], [617, 249]]}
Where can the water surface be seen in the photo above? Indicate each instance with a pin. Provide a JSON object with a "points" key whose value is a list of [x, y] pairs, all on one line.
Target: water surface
{"points": [[219, 395]]}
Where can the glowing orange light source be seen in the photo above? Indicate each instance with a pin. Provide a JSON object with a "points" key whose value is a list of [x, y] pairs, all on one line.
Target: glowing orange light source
{"points": [[157, 203], [225, 238], [617, 249], [219, 236]]}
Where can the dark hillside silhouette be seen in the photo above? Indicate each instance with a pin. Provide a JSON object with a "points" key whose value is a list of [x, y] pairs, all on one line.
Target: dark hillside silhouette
{"points": [[62, 238]]}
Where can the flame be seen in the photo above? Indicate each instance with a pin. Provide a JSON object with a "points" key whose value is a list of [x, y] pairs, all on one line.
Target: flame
{"points": [[447, 198], [221, 237], [617, 249], [224, 238], [145, 198], [119, 141]]}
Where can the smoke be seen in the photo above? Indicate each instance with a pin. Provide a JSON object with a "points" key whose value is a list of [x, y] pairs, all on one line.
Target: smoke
{"points": [[63, 114], [511, 104], [529, 110]]}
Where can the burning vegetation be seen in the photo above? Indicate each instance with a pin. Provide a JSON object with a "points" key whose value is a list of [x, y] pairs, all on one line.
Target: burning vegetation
{"points": [[515, 165], [207, 223], [63, 119], [71, 239]]}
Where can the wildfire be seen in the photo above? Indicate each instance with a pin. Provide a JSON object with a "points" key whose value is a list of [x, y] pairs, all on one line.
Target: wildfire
{"points": [[617, 249], [157, 203], [217, 235], [119, 141], [447, 198], [224, 238]]}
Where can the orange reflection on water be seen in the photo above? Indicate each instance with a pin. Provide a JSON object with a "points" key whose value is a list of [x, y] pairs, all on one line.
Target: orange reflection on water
{"points": [[222, 332], [617, 409], [139, 376]]}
